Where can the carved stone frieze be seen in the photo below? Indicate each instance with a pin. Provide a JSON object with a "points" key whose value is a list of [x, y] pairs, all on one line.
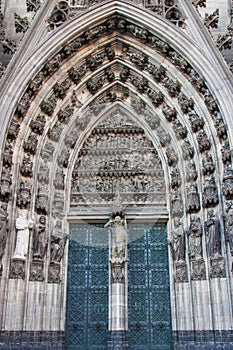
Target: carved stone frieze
{"points": [[210, 193], [3, 232], [38, 124], [227, 187], [26, 166], [17, 269], [30, 145], [37, 271], [193, 202], [181, 273], [208, 164], [5, 185], [24, 194]]}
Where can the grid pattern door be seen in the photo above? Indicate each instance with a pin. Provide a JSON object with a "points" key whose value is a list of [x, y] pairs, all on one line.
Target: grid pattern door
{"points": [[149, 292], [87, 288]]}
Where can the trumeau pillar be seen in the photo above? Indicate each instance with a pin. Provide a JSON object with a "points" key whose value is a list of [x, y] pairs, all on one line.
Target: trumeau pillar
{"points": [[182, 101], [118, 296]]}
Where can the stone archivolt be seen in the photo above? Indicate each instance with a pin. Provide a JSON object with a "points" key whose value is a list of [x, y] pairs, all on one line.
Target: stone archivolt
{"points": [[72, 92]]}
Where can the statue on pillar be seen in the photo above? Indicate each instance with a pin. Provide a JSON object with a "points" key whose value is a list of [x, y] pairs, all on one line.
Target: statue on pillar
{"points": [[23, 225], [118, 230], [212, 231], [177, 241]]}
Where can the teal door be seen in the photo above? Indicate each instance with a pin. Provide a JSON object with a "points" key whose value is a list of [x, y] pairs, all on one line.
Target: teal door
{"points": [[87, 288], [149, 291]]}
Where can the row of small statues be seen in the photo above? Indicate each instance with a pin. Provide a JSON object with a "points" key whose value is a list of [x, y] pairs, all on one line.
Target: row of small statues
{"points": [[194, 234]]}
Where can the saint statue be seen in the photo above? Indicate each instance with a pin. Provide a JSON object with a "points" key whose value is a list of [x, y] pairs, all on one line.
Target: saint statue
{"points": [[194, 238], [212, 231], [177, 241], [23, 224], [118, 237]]}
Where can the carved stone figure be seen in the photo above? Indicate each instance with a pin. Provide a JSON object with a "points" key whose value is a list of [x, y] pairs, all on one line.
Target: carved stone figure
{"points": [[196, 80], [173, 87], [180, 130], [17, 269], [39, 243], [7, 156], [172, 158], [26, 166], [31, 144], [220, 126], [210, 193], [164, 137], [213, 236], [5, 185], [177, 241], [48, 151], [117, 270], [175, 179], [48, 106], [76, 75], [217, 267], [227, 187], [196, 122], [195, 238], [65, 114], [226, 153], [58, 205], [152, 120], [118, 238], [43, 174], [170, 113], [37, 271], [3, 232], [191, 171], [24, 194], [13, 130], [203, 141], [208, 164], [193, 203], [181, 274], [210, 102], [42, 200], [176, 204], [198, 271], [54, 273], [23, 224], [187, 150], [38, 124], [23, 105], [60, 90], [59, 180], [229, 228], [36, 82], [186, 104], [57, 248]]}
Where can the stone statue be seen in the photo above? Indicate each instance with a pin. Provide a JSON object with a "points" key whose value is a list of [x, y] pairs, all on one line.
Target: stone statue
{"points": [[194, 239], [212, 231], [39, 245], [229, 228], [119, 237], [23, 224], [58, 243], [3, 231], [177, 241]]}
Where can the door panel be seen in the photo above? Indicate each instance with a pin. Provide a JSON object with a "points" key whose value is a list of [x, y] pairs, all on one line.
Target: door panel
{"points": [[149, 296]]}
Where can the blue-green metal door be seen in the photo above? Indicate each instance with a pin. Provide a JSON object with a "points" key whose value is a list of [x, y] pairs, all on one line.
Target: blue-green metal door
{"points": [[149, 292], [87, 288]]}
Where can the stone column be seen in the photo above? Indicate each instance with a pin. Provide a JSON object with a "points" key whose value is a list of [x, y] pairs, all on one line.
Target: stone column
{"points": [[118, 295]]}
